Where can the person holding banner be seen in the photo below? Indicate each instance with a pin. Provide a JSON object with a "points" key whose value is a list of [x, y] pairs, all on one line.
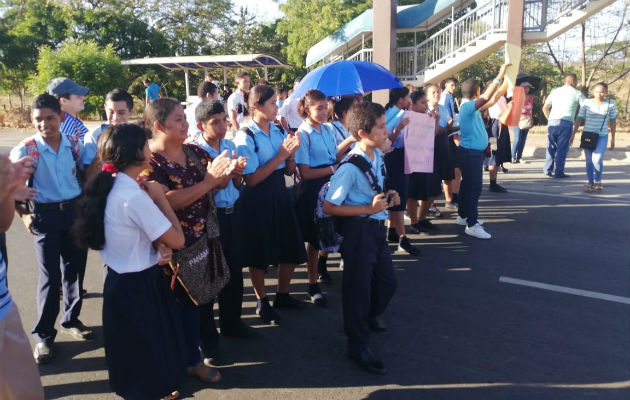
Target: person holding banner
{"points": [[399, 100], [471, 150]]}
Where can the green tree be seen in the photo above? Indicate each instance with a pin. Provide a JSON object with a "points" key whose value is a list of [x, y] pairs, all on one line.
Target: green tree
{"points": [[87, 64], [307, 22]]}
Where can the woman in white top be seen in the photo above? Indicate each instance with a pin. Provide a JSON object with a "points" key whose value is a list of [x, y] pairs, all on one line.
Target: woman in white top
{"points": [[129, 221], [598, 115]]}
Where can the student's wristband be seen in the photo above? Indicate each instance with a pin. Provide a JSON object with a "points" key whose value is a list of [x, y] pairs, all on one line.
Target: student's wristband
{"points": [[332, 169], [497, 80]]}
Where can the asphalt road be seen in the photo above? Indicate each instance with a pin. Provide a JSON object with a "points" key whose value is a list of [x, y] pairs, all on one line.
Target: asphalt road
{"points": [[458, 329]]}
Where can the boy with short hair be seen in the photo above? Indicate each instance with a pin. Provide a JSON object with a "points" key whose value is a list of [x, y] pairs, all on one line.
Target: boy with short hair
{"points": [[212, 122], [368, 275], [58, 160], [72, 100], [118, 109], [472, 149], [205, 91], [236, 102]]}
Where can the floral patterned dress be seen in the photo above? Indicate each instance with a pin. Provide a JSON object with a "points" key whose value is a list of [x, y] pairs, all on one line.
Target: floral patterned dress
{"points": [[195, 218], [176, 176]]}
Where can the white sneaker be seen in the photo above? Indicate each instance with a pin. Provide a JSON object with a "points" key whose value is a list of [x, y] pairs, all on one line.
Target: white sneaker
{"points": [[463, 221], [477, 231], [450, 206]]}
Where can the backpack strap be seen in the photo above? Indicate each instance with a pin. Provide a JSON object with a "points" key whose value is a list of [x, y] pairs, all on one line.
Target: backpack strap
{"points": [[360, 162], [250, 133]]}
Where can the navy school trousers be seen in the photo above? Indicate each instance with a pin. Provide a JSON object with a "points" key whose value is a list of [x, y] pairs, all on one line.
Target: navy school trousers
{"points": [[368, 278], [53, 240]]}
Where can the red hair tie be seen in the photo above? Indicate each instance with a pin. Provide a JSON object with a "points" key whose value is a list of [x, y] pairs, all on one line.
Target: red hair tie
{"points": [[109, 168]]}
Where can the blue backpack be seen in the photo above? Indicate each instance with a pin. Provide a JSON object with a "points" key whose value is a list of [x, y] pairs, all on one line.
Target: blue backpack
{"points": [[327, 225]]}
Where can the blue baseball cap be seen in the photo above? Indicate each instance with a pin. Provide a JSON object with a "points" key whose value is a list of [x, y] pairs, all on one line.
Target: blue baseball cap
{"points": [[62, 86]]}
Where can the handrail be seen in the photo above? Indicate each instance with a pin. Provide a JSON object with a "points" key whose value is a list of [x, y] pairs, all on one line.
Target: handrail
{"points": [[488, 18]]}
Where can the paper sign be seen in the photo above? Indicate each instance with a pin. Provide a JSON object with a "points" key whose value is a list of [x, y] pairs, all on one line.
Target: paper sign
{"points": [[419, 138]]}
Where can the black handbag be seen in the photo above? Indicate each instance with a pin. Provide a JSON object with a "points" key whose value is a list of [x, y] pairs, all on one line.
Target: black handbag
{"points": [[588, 140], [201, 268]]}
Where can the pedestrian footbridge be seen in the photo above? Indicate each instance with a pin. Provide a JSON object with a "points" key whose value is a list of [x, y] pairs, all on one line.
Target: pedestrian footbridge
{"points": [[468, 38]]}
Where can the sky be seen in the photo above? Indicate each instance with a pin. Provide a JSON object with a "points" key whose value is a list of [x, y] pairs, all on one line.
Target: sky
{"points": [[266, 10]]}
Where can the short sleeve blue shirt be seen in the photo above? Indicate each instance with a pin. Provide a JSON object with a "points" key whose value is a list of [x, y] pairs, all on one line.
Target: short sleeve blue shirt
{"points": [[472, 128], [56, 172], [316, 148], [152, 91], [393, 116], [268, 146], [349, 185], [90, 143], [228, 196], [446, 100]]}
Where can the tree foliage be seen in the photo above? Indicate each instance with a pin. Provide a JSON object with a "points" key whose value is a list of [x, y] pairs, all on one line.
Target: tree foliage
{"points": [[87, 64], [306, 22]]}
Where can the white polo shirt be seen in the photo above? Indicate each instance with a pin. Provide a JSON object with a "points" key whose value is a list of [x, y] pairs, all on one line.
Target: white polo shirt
{"points": [[289, 111], [233, 101], [132, 223]]}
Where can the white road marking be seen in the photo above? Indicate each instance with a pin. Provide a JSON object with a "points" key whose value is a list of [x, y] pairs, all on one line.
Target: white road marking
{"points": [[564, 289], [622, 201]]}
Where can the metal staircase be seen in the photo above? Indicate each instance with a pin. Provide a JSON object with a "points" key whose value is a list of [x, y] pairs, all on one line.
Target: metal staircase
{"points": [[482, 31]]}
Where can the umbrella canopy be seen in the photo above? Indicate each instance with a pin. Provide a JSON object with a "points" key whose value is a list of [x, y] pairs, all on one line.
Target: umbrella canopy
{"points": [[533, 80], [348, 77]]}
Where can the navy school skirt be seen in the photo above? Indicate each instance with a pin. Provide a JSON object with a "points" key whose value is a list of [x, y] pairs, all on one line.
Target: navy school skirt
{"points": [[143, 338], [442, 162], [268, 231], [305, 208], [398, 180]]}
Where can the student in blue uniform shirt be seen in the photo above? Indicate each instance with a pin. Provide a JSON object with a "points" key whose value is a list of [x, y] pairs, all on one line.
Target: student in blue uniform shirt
{"points": [[118, 109], [316, 159], [368, 276], [72, 101], [472, 149], [399, 101], [344, 139], [58, 163], [212, 123], [268, 228]]}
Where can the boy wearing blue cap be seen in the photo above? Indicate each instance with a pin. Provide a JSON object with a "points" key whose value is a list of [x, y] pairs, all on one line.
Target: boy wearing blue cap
{"points": [[72, 100], [57, 160], [368, 275]]}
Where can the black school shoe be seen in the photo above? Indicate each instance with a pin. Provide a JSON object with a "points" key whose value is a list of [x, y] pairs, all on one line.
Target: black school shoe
{"points": [[284, 300], [43, 353], [405, 245], [426, 225], [368, 362], [267, 314], [497, 188]]}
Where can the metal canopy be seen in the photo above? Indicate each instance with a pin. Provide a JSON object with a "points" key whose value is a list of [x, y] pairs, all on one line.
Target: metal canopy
{"points": [[207, 62]]}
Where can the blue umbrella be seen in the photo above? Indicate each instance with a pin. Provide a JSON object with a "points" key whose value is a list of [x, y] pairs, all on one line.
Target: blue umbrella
{"points": [[347, 77]]}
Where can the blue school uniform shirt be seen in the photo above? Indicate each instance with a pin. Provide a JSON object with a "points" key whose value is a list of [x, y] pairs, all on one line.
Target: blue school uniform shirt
{"points": [[73, 126], [56, 173], [90, 144], [225, 197], [268, 146], [393, 116], [5, 296], [446, 100], [349, 186], [340, 132], [472, 128], [316, 148]]}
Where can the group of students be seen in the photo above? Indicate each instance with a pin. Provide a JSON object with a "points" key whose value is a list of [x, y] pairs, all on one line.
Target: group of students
{"points": [[141, 194]]}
